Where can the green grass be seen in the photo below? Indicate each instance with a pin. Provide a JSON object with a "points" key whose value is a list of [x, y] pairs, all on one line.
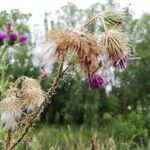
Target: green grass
{"points": [[56, 137]]}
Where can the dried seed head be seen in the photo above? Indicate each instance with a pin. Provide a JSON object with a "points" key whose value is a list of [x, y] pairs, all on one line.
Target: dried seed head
{"points": [[82, 44], [33, 96], [113, 17], [10, 110], [116, 44], [29, 82]]}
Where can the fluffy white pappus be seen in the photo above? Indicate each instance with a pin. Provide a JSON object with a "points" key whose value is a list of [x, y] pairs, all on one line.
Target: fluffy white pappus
{"points": [[33, 99], [34, 105], [10, 111], [9, 119], [44, 55]]}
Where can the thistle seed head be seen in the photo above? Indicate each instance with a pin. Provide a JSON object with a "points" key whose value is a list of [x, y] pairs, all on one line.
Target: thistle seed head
{"points": [[33, 96], [10, 110], [84, 45], [116, 44]]}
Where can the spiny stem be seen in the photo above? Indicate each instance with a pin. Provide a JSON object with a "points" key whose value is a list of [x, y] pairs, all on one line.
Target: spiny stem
{"points": [[103, 23], [49, 94], [8, 140], [56, 81], [88, 22], [92, 20]]}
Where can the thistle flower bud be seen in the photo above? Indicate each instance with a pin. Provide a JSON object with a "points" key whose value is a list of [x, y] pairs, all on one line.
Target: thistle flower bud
{"points": [[13, 36], [3, 35], [113, 18], [9, 27], [116, 45], [96, 81], [44, 74], [122, 63], [22, 38]]}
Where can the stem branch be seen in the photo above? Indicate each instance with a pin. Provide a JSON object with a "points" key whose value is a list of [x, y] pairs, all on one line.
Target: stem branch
{"points": [[8, 140], [49, 94]]}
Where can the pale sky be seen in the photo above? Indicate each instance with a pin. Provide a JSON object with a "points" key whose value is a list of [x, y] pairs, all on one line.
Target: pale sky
{"points": [[38, 7]]}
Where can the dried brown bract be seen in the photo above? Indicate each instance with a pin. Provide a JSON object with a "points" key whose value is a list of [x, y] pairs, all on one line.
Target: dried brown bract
{"points": [[113, 18], [33, 96], [83, 45], [116, 44]]}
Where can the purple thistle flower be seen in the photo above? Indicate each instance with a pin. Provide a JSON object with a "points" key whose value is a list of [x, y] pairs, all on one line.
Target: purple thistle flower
{"points": [[122, 63], [13, 36], [96, 81], [44, 74], [23, 38], [3, 35], [9, 27]]}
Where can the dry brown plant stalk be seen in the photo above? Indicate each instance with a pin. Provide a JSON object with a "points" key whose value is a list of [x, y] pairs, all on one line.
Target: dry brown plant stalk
{"points": [[82, 44], [8, 139], [94, 142], [49, 94]]}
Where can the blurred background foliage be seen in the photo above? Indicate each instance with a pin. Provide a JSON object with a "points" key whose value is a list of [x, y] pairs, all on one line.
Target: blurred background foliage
{"points": [[122, 113]]}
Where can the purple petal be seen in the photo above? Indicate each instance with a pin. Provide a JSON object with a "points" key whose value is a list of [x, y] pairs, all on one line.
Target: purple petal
{"points": [[13, 36], [23, 38], [122, 63], [96, 81], [3, 35]]}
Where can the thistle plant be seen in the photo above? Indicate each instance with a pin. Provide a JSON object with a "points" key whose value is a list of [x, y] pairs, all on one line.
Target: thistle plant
{"points": [[9, 38], [70, 48]]}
